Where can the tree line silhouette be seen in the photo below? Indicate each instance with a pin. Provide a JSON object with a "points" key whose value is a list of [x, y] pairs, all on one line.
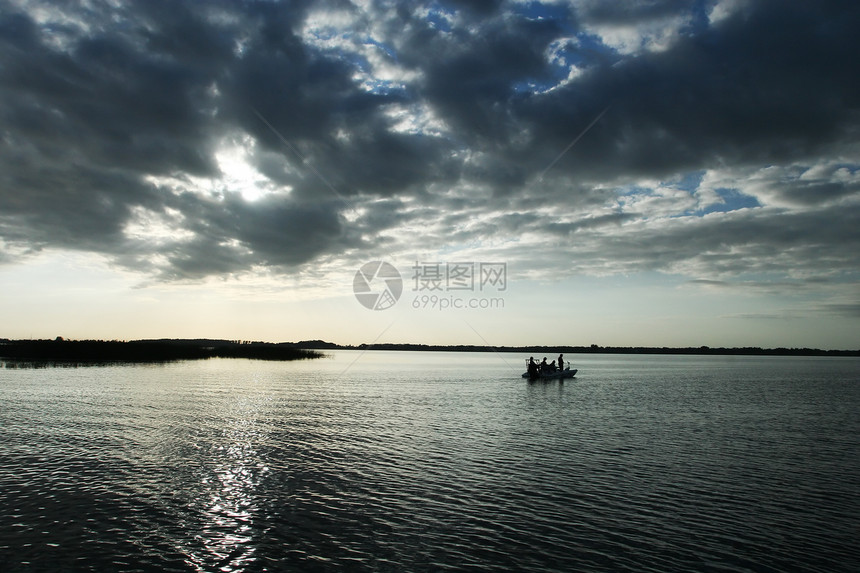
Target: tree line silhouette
{"points": [[60, 351]]}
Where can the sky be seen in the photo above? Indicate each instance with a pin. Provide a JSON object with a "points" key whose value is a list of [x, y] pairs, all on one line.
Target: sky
{"points": [[641, 173]]}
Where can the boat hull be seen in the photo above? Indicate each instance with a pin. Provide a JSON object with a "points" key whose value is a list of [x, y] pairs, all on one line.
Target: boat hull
{"points": [[559, 375]]}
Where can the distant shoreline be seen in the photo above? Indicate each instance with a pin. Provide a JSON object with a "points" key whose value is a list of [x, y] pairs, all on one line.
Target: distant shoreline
{"points": [[86, 352], [593, 349]]}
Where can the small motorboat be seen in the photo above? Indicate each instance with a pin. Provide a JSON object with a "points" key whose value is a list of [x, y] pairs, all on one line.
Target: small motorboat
{"points": [[557, 375]]}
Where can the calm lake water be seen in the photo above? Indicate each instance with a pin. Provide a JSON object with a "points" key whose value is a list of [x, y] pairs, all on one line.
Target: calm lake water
{"points": [[396, 461]]}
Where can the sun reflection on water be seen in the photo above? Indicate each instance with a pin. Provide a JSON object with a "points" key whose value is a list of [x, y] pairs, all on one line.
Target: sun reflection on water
{"points": [[230, 500]]}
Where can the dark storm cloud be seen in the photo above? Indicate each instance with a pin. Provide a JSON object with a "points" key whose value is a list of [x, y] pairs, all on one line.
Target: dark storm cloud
{"points": [[772, 85], [107, 101], [444, 118], [81, 124], [470, 78], [633, 13], [85, 122]]}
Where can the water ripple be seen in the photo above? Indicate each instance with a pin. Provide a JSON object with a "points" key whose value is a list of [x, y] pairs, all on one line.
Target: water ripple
{"points": [[244, 466]]}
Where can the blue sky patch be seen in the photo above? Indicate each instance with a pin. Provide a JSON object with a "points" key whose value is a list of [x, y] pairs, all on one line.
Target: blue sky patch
{"points": [[732, 201]]}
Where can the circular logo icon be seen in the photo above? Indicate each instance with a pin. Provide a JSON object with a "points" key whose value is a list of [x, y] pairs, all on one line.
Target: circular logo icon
{"points": [[377, 285]]}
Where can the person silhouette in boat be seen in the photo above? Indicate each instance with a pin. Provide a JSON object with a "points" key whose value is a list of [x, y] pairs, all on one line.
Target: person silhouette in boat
{"points": [[552, 367], [544, 367], [533, 367], [561, 361]]}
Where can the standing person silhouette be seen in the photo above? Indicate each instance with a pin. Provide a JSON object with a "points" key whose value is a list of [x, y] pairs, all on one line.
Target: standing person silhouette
{"points": [[561, 361], [533, 367]]}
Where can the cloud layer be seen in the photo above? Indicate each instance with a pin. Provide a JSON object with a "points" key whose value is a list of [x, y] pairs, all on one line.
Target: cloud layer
{"points": [[210, 139]]}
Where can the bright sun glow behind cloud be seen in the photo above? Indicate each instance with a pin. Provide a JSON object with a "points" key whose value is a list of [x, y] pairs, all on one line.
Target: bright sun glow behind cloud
{"points": [[238, 174]]}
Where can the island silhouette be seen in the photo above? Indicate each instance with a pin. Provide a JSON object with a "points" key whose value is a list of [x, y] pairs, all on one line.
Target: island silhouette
{"points": [[87, 352]]}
